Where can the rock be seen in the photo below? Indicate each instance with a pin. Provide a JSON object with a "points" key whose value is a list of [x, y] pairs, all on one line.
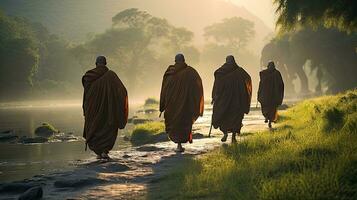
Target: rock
{"points": [[65, 137], [8, 136], [111, 168], [26, 140], [161, 137], [140, 120], [126, 156], [17, 187], [197, 136], [149, 148], [126, 138], [77, 183], [32, 194], [46, 130]]}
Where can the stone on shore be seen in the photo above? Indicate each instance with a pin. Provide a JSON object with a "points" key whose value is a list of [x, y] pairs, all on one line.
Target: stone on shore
{"points": [[46, 130], [32, 194]]}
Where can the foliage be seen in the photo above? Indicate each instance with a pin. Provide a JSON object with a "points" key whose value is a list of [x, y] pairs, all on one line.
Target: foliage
{"points": [[299, 160], [32, 58], [331, 13], [138, 45], [234, 31], [334, 69], [19, 55], [149, 132], [150, 101]]}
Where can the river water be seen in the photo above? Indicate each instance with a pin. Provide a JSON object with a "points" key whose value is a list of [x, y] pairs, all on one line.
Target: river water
{"points": [[22, 161]]}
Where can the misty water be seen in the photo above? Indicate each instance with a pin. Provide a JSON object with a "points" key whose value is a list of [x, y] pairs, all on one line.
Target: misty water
{"points": [[22, 161], [19, 161]]}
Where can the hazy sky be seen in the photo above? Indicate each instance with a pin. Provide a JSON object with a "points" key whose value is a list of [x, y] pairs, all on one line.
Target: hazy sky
{"points": [[263, 9]]}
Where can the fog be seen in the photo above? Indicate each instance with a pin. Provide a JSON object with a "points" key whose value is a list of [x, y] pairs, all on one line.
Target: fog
{"points": [[64, 37]]}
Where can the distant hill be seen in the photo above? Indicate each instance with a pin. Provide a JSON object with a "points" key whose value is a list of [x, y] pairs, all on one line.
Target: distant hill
{"points": [[76, 19]]}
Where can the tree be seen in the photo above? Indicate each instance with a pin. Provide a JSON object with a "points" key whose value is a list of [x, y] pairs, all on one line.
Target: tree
{"points": [[138, 45], [331, 13], [234, 31], [19, 55], [331, 53]]}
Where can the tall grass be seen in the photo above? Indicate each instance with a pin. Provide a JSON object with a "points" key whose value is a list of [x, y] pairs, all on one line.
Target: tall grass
{"points": [[311, 155]]}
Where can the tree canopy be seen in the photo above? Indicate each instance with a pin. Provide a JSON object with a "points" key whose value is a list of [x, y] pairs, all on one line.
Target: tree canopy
{"points": [[331, 13]]}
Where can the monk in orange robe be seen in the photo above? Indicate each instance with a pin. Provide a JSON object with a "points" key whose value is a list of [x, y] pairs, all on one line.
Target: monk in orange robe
{"points": [[231, 97], [182, 100], [105, 108], [270, 93]]}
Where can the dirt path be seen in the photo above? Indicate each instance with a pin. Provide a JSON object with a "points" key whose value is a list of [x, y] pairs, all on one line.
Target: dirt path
{"points": [[131, 170]]}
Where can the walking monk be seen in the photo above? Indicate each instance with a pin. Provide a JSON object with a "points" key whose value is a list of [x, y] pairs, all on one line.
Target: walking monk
{"points": [[231, 97], [182, 100], [270, 93], [105, 108]]}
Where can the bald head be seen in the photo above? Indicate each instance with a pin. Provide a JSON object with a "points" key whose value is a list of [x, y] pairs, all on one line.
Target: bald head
{"points": [[230, 60], [271, 64], [179, 58], [101, 61]]}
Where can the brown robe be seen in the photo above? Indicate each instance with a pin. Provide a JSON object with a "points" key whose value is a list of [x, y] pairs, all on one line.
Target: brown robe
{"points": [[271, 92], [105, 107], [182, 100], [231, 95]]}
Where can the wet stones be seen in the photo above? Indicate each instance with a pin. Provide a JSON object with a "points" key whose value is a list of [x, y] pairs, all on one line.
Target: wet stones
{"points": [[16, 187], [77, 183], [32, 194], [46, 130], [8, 136]]}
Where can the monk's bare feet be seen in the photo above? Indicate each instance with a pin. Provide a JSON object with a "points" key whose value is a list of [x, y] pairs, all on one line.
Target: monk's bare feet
{"points": [[179, 148], [266, 120], [224, 138]]}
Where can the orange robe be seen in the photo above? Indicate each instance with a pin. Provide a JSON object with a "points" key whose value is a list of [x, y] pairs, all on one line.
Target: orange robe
{"points": [[232, 93], [105, 107], [271, 92], [182, 100]]}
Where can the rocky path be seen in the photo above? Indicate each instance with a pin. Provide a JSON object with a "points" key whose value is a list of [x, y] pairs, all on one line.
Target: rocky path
{"points": [[128, 174]]}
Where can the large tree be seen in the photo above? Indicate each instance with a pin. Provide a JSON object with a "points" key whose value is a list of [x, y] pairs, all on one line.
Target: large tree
{"points": [[138, 45], [234, 31], [329, 52], [19, 56], [337, 13]]}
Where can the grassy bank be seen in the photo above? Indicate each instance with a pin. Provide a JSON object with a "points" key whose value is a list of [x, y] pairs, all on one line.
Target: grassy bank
{"points": [[149, 132], [311, 155]]}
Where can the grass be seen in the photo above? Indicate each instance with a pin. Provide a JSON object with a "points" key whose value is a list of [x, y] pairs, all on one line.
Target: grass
{"points": [[149, 132], [311, 155]]}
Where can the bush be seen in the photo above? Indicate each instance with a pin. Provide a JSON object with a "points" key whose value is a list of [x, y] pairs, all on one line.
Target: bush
{"points": [[149, 132]]}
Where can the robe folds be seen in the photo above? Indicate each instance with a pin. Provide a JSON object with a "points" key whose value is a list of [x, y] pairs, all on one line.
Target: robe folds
{"points": [[182, 100], [105, 108], [270, 92], [231, 95]]}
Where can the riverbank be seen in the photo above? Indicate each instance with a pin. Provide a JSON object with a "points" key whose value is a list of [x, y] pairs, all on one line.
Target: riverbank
{"points": [[312, 154], [131, 172]]}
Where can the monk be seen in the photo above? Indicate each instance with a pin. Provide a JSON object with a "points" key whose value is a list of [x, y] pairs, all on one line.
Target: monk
{"points": [[182, 100], [270, 93], [105, 108], [231, 97]]}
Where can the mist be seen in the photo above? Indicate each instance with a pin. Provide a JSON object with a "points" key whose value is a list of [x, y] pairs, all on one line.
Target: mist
{"points": [[64, 37]]}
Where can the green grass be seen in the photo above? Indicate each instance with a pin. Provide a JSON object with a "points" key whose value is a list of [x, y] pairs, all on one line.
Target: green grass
{"points": [[311, 155], [147, 133]]}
